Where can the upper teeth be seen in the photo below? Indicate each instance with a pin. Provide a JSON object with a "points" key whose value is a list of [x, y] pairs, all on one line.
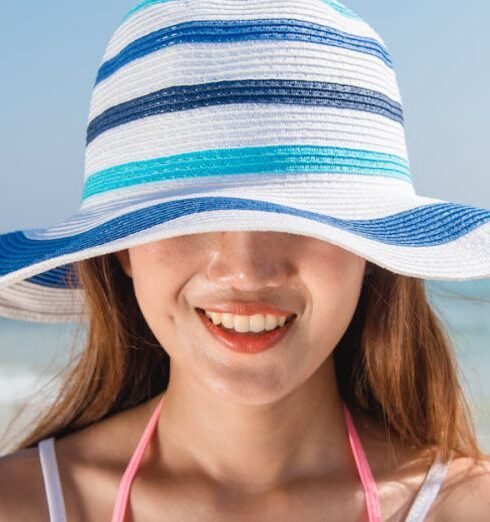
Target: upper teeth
{"points": [[247, 323]]}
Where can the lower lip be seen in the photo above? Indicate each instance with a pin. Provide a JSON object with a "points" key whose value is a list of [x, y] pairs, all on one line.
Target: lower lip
{"points": [[248, 342]]}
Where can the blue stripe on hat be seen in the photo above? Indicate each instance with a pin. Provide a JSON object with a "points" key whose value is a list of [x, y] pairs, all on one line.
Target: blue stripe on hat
{"points": [[348, 13], [429, 225], [59, 277], [248, 160], [219, 31], [295, 92]]}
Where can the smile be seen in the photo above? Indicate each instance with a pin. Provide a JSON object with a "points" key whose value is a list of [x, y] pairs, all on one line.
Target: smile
{"points": [[245, 342]]}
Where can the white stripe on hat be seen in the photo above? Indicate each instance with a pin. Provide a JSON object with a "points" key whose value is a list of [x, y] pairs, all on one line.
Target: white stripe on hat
{"points": [[374, 198], [288, 60], [243, 125]]}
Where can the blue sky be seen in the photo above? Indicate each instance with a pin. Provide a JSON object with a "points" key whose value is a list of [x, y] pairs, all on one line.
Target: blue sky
{"points": [[50, 53]]}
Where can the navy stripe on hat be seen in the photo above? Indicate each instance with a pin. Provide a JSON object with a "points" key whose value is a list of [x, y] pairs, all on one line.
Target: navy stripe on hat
{"points": [[298, 92]]}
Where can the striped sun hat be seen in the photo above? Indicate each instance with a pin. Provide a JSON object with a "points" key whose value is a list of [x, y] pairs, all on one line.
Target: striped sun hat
{"points": [[212, 115]]}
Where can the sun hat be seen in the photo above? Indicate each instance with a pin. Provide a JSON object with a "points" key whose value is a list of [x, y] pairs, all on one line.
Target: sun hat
{"points": [[213, 115]]}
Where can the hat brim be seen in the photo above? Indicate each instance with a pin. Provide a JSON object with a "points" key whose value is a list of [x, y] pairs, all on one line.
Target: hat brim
{"points": [[410, 234]]}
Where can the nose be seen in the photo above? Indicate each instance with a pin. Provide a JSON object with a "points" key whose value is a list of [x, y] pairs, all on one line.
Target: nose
{"points": [[250, 260]]}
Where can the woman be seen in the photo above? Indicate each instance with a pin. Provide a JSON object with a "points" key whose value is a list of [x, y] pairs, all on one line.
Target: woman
{"points": [[250, 256]]}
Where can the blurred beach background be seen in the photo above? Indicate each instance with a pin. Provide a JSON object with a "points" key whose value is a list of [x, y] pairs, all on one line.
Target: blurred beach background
{"points": [[50, 53]]}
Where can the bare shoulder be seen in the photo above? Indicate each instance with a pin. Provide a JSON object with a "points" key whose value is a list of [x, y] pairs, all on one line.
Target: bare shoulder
{"points": [[90, 462], [22, 494], [465, 493]]}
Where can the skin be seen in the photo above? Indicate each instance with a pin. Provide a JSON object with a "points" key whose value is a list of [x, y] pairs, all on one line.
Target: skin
{"points": [[263, 402], [240, 436]]}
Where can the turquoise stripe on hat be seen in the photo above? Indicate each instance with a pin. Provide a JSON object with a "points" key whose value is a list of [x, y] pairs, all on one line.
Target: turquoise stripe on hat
{"points": [[143, 5], [248, 160], [342, 9]]}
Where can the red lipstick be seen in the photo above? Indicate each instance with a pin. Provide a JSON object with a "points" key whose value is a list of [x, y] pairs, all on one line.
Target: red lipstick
{"points": [[248, 342]]}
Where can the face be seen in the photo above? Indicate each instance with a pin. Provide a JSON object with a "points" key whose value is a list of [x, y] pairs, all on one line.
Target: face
{"points": [[318, 281]]}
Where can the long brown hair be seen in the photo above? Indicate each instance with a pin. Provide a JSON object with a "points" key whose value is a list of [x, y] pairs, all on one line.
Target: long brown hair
{"points": [[395, 362]]}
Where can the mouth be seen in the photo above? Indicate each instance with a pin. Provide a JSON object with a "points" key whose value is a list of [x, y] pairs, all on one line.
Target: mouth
{"points": [[202, 313], [246, 342]]}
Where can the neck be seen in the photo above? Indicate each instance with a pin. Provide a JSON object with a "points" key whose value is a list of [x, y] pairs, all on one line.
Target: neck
{"points": [[254, 448]]}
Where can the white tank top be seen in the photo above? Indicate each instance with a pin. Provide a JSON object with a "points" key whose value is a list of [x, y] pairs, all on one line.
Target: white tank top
{"points": [[57, 512]]}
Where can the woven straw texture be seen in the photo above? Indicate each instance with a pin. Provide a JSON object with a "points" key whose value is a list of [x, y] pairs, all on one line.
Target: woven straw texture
{"points": [[243, 115]]}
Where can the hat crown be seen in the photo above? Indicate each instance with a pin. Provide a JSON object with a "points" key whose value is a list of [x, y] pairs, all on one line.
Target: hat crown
{"points": [[213, 115], [195, 95]]}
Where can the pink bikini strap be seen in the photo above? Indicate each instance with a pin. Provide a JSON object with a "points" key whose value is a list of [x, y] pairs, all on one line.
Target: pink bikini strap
{"points": [[127, 478], [369, 485], [370, 489]]}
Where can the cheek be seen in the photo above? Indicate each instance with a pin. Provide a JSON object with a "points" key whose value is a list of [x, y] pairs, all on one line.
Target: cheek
{"points": [[150, 296], [160, 271], [154, 291], [335, 285], [154, 303], [156, 273]]}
